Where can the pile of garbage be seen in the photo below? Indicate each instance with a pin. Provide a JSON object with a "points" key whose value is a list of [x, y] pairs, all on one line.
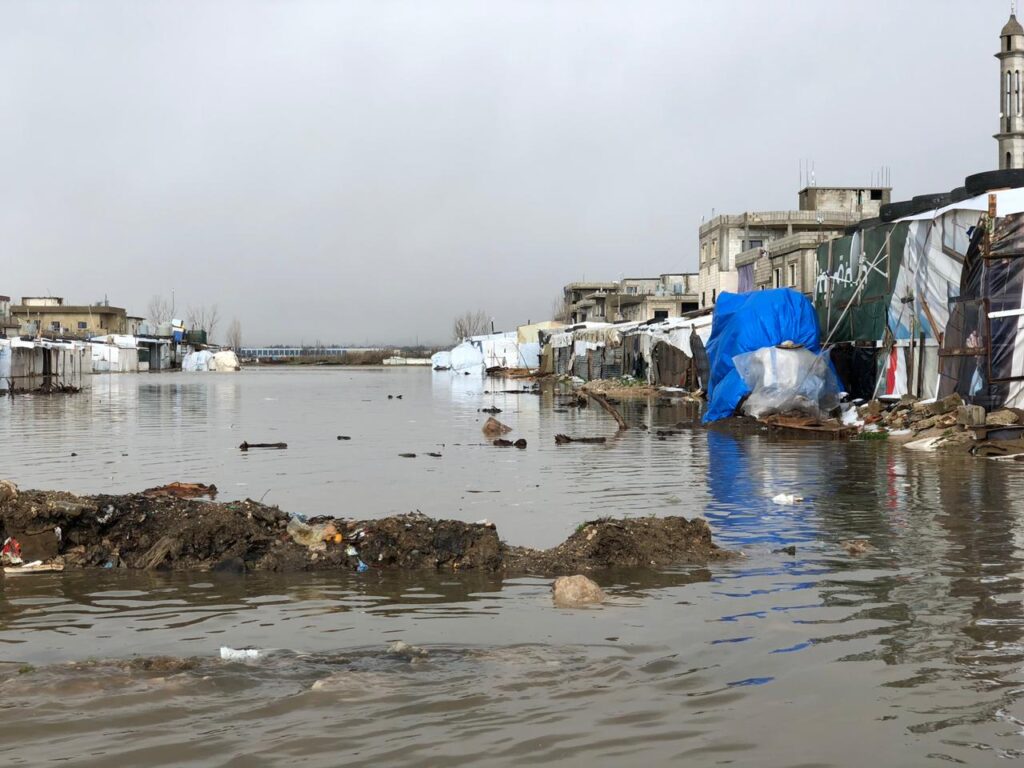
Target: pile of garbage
{"points": [[947, 423], [166, 532]]}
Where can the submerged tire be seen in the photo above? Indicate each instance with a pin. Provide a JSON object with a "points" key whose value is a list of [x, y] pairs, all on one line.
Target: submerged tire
{"points": [[980, 183]]}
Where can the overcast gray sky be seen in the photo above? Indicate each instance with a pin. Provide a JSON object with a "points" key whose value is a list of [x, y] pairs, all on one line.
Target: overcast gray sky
{"points": [[364, 171]]}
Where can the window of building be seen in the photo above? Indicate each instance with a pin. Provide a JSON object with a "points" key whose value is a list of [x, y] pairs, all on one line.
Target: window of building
{"points": [[55, 325], [702, 298], [82, 325], [1006, 101], [777, 277], [1016, 91], [1009, 160], [792, 275], [876, 194], [714, 295], [661, 314], [754, 244]]}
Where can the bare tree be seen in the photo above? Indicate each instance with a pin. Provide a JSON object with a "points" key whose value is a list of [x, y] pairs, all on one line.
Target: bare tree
{"points": [[234, 335], [160, 309], [561, 309], [204, 318], [470, 324]]}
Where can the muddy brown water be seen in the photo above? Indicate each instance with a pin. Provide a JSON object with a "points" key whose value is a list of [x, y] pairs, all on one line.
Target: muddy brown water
{"points": [[909, 655]]}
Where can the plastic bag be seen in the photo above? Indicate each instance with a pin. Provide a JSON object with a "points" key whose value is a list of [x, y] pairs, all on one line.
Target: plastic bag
{"points": [[787, 381]]}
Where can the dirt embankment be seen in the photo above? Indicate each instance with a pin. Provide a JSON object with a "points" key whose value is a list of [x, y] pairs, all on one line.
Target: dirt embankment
{"points": [[163, 532]]}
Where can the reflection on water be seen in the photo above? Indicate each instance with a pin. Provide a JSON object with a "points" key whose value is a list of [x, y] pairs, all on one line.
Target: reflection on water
{"points": [[907, 655]]}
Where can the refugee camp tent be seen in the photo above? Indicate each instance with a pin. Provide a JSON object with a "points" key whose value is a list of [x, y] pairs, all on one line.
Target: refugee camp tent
{"points": [[225, 361], [43, 364], [198, 360], [745, 323], [930, 304], [466, 357]]}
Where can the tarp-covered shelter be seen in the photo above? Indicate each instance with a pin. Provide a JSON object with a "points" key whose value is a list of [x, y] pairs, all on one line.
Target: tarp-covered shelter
{"points": [[745, 323], [114, 353], [28, 365], [930, 304]]}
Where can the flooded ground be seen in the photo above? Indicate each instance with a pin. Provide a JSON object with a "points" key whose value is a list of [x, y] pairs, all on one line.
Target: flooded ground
{"points": [[908, 655]]}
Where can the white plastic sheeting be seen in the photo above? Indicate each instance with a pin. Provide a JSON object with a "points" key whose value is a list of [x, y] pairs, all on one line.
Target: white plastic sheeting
{"points": [[29, 364], [782, 380], [466, 357], [113, 357], [225, 361], [199, 360], [5, 363]]}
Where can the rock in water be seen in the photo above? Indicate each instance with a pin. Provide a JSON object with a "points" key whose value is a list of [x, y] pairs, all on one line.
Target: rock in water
{"points": [[493, 428], [8, 491], [574, 591]]}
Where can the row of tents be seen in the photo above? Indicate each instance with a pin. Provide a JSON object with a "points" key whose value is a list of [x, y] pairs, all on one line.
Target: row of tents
{"points": [[657, 352], [929, 303], [42, 364]]}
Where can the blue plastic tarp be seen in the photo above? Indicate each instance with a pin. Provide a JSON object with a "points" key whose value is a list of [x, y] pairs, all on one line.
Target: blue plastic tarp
{"points": [[747, 322]]}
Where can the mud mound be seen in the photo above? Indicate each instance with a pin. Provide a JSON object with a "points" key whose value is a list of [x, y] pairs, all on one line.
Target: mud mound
{"points": [[643, 542], [168, 533]]}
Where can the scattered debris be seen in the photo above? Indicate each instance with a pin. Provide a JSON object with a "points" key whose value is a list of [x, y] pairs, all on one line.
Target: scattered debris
{"points": [[855, 547], [344, 437], [434, 455], [786, 499], [36, 566], [407, 455], [502, 443], [183, 490], [239, 654], [790, 550], [575, 591], [603, 402], [520, 443], [564, 439], [406, 651], [490, 410], [492, 428], [10, 553], [8, 491], [278, 446]]}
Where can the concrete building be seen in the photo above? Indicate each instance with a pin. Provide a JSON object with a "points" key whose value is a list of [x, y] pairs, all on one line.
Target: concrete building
{"points": [[632, 299], [1011, 117], [49, 314], [585, 302], [8, 325], [729, 241]]}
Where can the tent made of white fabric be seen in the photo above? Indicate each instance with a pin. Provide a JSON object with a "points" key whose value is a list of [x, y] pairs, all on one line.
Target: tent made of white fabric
{"points": [[198, 360], [466, 357], [225, 361]]}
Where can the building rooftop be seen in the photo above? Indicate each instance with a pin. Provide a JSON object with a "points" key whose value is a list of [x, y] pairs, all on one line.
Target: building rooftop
{"points": [[67, 309]]}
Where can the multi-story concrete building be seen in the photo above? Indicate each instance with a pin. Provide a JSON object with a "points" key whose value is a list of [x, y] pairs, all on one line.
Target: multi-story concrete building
{"points": [[1011, 113], [785, 238], [49, 314], [632, 298], [8, 325]]}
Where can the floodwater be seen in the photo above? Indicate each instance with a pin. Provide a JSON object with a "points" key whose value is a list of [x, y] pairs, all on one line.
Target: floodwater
{"points": [[909, 655]]}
